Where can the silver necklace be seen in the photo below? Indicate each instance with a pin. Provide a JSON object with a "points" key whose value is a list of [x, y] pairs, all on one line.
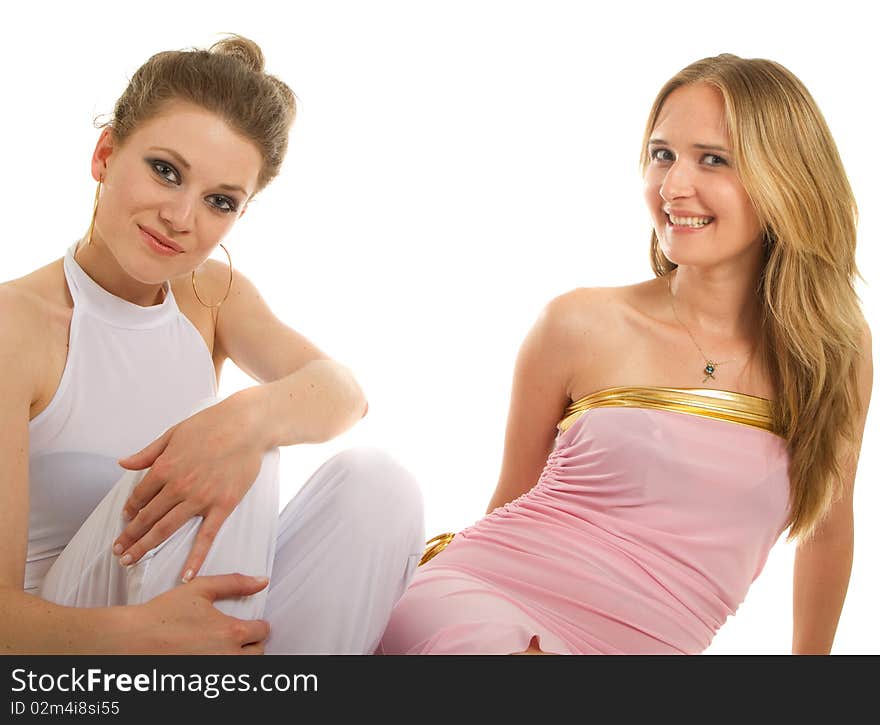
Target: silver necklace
{"points": [[710, 365]]}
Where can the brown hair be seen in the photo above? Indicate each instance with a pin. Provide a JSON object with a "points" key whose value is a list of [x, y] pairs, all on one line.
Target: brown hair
{"points": [[811, 319], [227, 79]]}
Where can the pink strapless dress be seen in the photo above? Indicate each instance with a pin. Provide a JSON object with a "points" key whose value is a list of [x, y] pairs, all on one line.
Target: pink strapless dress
{"points": [[654, 514]]}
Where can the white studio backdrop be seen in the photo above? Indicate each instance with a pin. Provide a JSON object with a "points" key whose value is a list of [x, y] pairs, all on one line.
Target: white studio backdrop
{"points": [[454, 166]]}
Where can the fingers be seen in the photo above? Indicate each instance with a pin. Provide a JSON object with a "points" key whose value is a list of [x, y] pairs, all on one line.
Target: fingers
{"points": [[144, 492], [253, 632], [228, 586], [204, 539], [189, 613], [145, 532], [247, 635], [144, 458]]}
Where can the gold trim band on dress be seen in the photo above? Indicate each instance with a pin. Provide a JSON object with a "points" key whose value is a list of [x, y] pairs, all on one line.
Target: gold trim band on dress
{"points": [[705, 402], [435, 546]]}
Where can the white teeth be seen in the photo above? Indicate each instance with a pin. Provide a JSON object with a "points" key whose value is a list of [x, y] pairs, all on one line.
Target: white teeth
{"points": [[690, 221]]}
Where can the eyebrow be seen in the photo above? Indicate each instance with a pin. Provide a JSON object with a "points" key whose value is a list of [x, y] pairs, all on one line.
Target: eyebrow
{"points": [[703, 146], [183, 162]]}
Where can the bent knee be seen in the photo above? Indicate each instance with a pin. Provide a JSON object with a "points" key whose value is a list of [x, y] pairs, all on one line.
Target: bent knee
{"points": [[375, 491], [371, 475]]}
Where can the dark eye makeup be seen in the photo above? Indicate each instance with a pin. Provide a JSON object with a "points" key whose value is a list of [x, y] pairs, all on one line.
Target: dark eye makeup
{"points": [[170, 175], [165, 170]]}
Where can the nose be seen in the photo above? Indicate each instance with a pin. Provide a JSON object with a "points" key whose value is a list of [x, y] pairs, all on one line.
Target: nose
{"points": [[678, 181], [177, 212]]}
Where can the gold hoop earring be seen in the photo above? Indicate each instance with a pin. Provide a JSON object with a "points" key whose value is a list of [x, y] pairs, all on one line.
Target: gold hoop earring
{"points": [[94, 213], [228, 286]]}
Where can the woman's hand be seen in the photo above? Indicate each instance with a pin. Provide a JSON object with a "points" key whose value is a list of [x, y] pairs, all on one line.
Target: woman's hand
{"points": [[184, 619], [203, 466]]}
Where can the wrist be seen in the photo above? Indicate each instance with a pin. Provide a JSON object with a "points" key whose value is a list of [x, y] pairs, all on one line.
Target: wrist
{"points": [[250, 409], [120, 628]]}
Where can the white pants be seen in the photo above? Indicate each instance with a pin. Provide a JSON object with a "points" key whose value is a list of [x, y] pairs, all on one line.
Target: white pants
{"points": [[339, 556]]}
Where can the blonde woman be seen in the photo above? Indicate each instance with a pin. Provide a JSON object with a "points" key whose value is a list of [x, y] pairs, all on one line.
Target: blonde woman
{"points": [[110, 359], [662, 436]]}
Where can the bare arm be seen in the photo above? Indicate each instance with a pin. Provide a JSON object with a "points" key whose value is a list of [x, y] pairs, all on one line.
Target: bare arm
{"points": [[824, 562], [205, 465], [27, 623], [181, 621], [541, 389], [305, 397]]}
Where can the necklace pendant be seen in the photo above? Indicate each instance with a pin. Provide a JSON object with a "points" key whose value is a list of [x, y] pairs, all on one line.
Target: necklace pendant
{"points": [[709, 370]]}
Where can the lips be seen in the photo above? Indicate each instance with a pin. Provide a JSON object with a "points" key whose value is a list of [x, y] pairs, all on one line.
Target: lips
{"points": [[161, 239]]}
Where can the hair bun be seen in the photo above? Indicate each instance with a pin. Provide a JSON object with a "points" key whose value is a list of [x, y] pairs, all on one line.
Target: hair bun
{"points": [[244, 49]]}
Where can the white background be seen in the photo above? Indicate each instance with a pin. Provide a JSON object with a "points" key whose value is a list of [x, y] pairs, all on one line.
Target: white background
{"points": [[454, 166]]}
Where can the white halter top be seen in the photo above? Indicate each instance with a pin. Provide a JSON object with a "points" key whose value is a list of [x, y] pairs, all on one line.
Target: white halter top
{"points": [[131, 373]]}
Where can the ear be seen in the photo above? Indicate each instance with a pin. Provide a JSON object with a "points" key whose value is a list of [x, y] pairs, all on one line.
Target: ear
{"points": [[101, 155]]}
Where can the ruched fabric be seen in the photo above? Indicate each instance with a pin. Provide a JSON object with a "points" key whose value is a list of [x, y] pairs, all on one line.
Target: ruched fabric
{"points": [[642, 535]]}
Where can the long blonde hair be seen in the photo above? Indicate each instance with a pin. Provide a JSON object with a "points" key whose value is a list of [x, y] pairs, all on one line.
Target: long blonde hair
{"points": [[811, 317]]}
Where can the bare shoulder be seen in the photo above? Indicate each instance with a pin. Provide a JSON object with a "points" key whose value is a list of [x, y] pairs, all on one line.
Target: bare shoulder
{"points": [[22, 339], [582, 312], [601, 330], [36, 311], [19, 310], [865, 367], [31, 303], [241, 302], [212, 281], [866, 344], [580, 331], [45, 288], [44, 293], [22, 336], [593, 315]]}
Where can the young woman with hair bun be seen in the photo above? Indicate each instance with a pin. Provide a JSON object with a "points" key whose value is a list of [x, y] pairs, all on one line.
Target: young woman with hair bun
{"points": [[138, 513], [663, 435]]}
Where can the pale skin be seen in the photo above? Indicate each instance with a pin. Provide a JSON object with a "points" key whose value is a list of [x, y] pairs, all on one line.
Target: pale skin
{"points": [[187, 176], [592, 339]]}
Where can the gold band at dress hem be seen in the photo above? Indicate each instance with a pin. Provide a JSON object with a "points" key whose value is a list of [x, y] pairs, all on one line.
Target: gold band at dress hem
{"points": [[706, 402], [435, 546]]}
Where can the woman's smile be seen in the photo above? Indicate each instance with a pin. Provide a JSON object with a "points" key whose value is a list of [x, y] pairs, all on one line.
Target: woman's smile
{"points": [[158, 243], [684, 220]]}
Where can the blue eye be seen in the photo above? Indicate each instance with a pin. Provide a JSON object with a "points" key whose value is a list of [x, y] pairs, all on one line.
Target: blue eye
{"points": [[661, 155], [222, 203], [715, 160], [165, 170]]}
